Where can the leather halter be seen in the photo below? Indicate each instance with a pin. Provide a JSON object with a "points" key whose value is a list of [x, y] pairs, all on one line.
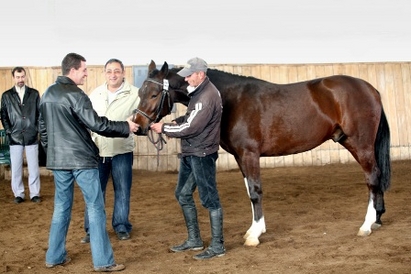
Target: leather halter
{"points": [[164, 93], [159, 143]]}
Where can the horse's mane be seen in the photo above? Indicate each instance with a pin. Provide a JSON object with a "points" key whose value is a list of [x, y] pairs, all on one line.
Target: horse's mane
{"points": [[222, 75], [230, 75]]}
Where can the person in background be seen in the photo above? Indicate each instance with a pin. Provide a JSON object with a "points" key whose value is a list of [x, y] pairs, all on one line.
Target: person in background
{"points": [[199, 131], [19, 116], [66, 119], [115, 99]]}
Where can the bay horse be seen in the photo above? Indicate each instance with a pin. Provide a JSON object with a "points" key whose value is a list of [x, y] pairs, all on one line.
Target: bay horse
{"points": [[265, 119]]}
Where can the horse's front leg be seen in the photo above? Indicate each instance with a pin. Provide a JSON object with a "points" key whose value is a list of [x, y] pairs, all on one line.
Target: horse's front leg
{"points": [[258, 224]]}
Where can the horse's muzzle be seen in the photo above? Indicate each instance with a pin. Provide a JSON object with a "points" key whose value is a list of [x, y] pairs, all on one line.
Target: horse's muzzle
{"points": [[141, 131]]}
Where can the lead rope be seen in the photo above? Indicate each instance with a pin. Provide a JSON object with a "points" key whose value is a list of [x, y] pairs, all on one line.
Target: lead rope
{"points": [[158, 144]]}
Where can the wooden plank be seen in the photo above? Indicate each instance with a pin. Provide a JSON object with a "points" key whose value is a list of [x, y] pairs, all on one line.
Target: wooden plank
{"points": [[238, 70], [391, 106], [406, 87], [265, 73], [246, 71], [255, 71], [351, 70], [363, 72], [400, 107]]}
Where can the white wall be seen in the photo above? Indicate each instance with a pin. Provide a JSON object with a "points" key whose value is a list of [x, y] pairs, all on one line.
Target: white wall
{"points": [[40, 33]]}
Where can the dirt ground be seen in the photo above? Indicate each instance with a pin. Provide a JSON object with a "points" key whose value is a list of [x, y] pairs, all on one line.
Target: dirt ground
{"points": [[312, 216]]}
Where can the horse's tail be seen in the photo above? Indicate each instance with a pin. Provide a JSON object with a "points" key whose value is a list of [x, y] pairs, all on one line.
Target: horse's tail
{"points": [[382, 152]]}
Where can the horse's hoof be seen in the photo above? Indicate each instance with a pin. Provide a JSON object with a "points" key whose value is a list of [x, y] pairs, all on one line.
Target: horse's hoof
{"points": [[251, 241], [246, 235], [375, 226], [363, 233]]}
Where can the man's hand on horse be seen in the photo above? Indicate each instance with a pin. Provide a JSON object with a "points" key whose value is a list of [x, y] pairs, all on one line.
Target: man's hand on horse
{"points": [[133, 126], [157, 127]]}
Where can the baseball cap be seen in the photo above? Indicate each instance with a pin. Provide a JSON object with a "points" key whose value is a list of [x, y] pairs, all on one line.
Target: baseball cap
{"points": [[193, 65]]}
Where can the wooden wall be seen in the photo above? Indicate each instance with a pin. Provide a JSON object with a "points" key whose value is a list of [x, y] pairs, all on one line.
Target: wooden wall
{"points": [[392, 79]]}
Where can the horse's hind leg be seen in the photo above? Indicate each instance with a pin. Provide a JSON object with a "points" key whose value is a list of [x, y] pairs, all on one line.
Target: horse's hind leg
{"points": [[376, 205], [365, 156], [380, 208]]}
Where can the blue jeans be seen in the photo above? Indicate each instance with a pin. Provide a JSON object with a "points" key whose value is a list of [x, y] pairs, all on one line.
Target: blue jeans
{"points": [[198, 172], [88, 181], [121, 169]]}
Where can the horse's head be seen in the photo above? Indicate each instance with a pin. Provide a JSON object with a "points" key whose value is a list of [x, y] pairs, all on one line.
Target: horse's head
{"points": [[158, 93]]}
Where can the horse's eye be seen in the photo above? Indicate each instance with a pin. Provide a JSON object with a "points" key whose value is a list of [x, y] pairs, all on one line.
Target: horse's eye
{"points": [[153, 96]]}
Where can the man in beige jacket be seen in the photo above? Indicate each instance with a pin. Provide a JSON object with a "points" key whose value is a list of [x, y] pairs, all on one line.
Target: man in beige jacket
{"points": [[115, 99]]}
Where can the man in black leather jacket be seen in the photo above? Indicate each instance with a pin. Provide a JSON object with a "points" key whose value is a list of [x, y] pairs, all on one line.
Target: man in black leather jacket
{"points": [[19, 116], [66, 119]]}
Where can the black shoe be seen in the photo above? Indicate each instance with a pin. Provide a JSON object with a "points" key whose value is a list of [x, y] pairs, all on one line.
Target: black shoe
{"points": [[188, 245], [36, 199], [18, 200], [85, 239], [122, 235], [209, 253]]}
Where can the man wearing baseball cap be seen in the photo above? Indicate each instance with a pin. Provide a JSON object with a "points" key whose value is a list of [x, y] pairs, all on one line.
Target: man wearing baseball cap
{"points": [[193, 65], [199, 131]]}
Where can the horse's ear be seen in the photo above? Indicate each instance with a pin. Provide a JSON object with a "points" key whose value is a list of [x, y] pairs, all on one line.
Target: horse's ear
{"points": [[164, 69], [151, 67]]}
